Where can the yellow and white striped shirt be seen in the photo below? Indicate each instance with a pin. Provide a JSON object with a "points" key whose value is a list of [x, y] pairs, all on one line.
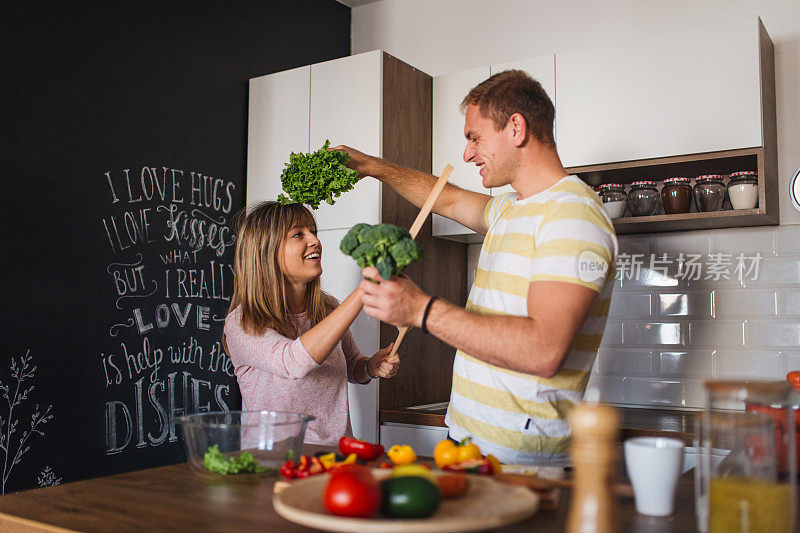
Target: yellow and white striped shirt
{"points": [[559, 234]]}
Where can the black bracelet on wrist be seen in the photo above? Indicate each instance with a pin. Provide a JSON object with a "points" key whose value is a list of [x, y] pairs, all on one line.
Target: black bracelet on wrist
{"points": [[366, 369], [425, 314]]}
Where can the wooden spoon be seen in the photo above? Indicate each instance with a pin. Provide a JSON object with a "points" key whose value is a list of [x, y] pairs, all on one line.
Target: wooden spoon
{"points": [[424, 211]]}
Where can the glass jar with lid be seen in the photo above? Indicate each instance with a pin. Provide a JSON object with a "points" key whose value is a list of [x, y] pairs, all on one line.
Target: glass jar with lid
{"points": [[746, 479], [643, 198], [676, 195], [709, 192], [614, 199], [743, 190]]}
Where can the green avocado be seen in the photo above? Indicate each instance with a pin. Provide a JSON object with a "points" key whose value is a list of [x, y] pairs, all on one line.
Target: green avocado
{"points": [[410, 497]]}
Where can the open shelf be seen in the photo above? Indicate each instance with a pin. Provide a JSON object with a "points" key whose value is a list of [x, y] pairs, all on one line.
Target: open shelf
{"points": [[691, 166]]}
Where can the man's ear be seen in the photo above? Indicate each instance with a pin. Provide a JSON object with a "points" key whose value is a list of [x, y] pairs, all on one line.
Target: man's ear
{"points": [[518, 129]]}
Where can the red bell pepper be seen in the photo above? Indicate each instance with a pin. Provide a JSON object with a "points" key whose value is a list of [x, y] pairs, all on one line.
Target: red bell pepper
{"points": [[287, 470], [363, 449]]}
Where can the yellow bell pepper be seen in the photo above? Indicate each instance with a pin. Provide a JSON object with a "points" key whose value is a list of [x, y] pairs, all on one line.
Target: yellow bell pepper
{"points": [[448, 452], [468, 451], [327, 460], [413, 470], [402, 454]]}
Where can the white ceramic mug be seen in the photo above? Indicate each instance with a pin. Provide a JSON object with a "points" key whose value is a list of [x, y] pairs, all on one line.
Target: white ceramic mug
{"points": [[654, 466]]}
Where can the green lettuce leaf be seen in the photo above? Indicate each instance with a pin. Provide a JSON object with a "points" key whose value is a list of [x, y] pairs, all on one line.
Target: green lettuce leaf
{"points": [[317, 176]]}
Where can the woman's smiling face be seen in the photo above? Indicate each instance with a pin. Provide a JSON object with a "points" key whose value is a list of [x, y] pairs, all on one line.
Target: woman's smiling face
{"points": [[301, 254]]}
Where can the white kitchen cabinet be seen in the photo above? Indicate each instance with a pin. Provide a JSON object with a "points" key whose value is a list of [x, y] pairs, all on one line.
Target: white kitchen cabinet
{"points": [[449, 142], [297, 110], [339, 278], [381, 106], [448, 126], [682, 92], [422, 438], [346, 108], [277, 125]]}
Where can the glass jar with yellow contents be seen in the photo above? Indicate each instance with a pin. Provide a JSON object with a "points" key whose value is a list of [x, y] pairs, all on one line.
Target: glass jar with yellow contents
{"points": [[746, 479]]}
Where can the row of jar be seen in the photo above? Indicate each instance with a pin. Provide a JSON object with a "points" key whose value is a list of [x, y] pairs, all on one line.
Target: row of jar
{"points": [[709, 193]]}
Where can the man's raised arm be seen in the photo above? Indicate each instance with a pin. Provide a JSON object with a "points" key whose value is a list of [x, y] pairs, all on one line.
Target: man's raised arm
{"points": [[465, 207]]}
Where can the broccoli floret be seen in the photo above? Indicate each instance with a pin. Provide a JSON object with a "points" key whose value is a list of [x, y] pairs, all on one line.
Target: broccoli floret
{"points": [[365, 254], [385, 246], [351, 240], [382, 236], [405, 252]]}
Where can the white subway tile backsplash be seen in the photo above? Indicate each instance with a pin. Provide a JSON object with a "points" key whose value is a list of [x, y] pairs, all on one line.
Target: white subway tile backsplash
{"points": [[634, 244], [791, 361], [625, 362], [776, 272], [748, 241], [763, 334], [681, 363], [629, 304], [644, 391], [695, 242], [613, 334], [652, 272], [790, 240], [694, 393], [713, 333], [748, 364], [791, 302], [695, 304], [654, 333], [608, 387], [745, 303]]}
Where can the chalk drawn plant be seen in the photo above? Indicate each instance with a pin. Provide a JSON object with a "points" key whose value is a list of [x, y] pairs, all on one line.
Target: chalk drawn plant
{"points": [[48, 478], [20, 372]]}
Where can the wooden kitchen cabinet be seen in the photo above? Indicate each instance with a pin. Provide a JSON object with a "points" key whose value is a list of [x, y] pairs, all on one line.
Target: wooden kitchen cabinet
{"points": [[381, 106], [682, 92]]}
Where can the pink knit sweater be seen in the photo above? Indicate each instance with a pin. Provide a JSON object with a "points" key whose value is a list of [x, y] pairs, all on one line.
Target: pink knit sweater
{"points": [[278, 374]]}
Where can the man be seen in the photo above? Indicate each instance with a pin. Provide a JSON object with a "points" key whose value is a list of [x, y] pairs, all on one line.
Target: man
{"points": [[536, 311]]}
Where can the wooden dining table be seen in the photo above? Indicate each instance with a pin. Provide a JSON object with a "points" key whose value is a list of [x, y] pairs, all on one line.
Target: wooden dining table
{"points": [[174, 498]]}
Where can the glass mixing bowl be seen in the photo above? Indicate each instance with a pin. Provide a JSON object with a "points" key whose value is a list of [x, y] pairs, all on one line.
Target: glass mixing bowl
{"points": [[242, 442]]}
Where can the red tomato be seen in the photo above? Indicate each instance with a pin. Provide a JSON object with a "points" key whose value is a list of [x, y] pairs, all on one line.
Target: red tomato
{"points": [[352, 491]]}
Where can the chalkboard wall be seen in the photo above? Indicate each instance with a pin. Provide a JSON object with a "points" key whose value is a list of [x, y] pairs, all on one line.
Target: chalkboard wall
{"points": [[123, 163]]}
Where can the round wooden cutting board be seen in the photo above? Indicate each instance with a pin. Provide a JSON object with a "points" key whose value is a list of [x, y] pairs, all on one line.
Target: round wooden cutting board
{"points": [[487, 504]]}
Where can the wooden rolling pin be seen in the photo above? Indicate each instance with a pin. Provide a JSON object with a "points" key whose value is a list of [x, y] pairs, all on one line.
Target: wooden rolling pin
{"points": [[417, 225]]}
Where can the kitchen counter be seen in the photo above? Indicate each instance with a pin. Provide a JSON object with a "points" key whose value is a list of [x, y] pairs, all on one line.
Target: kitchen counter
{"points": [[636, 422], [172, 498]]}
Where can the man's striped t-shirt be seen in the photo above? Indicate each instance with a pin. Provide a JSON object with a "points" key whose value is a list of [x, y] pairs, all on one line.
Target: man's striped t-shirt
{"points": [[560, 234]]}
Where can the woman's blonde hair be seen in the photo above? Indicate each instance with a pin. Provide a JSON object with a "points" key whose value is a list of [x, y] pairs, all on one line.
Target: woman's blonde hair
{"points": [[259, 283]]}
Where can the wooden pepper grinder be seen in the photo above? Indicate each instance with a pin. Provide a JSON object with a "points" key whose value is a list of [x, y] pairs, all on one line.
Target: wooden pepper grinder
{"points": [[594, 451]]}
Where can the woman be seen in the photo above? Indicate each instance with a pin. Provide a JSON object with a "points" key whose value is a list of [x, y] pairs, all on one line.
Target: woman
{"points": [[289, 342]]}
